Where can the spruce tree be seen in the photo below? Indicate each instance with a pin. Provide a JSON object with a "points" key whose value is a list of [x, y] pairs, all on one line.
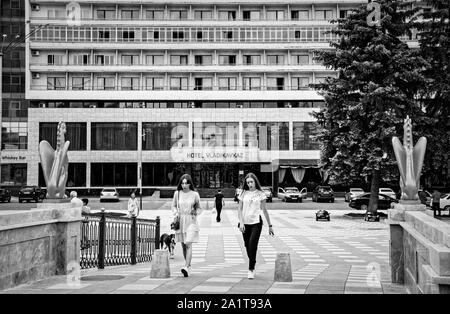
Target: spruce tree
{"points": [[434, 39], [378, 76]]}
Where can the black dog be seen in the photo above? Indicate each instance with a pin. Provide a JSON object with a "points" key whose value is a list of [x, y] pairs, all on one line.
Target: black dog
{"points": [[167, 242]]}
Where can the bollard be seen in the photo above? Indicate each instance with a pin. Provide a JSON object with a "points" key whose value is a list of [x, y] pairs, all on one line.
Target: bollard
{"points": [[283, 270], [160, 265]]}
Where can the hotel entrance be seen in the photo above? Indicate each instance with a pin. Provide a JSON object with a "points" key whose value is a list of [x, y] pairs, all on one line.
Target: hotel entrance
{"points": [[204, 175], [215, 175]]}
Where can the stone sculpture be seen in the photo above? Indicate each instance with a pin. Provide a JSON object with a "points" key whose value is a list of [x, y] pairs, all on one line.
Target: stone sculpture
{"points": [[409, 161], [55, 164]]}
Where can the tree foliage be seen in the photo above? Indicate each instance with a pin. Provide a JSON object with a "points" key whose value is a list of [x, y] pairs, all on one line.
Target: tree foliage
{"points": [[434, 39], [378, 77]]}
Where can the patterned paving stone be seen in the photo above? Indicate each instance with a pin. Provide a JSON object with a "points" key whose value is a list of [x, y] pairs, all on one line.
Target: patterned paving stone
{"points": [[220, 261]]}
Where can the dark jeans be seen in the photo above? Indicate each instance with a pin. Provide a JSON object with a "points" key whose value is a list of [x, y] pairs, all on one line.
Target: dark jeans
{"points": [[436, 208], [251, 239], [219, 210]]}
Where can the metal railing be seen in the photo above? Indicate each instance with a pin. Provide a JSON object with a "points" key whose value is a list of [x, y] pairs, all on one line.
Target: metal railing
{"points": [[189, 87], [108, 239]]}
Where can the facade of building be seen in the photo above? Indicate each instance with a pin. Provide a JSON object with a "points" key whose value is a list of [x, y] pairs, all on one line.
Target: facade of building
{"points": [[152, 89], [13, 114]]}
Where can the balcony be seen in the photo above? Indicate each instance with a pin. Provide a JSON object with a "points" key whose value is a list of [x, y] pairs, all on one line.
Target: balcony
{"points": [[168, 35]]}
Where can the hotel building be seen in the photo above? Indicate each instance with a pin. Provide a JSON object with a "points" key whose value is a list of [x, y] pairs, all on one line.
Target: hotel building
{"points": [[150, 90]]}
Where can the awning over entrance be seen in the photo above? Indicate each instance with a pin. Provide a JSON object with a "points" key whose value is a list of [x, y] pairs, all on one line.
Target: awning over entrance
{"points": [[298, 163]]}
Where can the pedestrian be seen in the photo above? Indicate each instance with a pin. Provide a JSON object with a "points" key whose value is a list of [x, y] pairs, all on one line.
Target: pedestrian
{"points": [[76, 202], [422, 197], [85, 209], [218, 198], [252, 201], [186, 205], [133, 206], [436, 200]]}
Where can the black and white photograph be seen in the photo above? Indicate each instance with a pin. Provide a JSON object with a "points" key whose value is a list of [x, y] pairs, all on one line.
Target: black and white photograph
{"points": [[225, 155]]}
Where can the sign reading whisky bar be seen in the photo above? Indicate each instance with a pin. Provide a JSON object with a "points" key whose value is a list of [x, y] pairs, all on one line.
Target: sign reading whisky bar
{"points": [[215, 154]]}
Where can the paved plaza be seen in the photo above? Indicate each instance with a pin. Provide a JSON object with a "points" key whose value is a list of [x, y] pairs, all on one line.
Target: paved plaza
{"points": [[342, 256]]}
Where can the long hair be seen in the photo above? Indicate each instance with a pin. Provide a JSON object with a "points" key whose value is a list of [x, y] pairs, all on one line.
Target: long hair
{"points": [[188, 179], [253, 176]]}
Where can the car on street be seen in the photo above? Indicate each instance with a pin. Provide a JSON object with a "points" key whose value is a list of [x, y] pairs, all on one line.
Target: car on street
{"points": [[428, 194], [387, 191], [444, 202], [5, 195], [323, 192], [322, 214], [362, 201], [31, 193], [352, 193], [109, 194], [268, 191], [291, 194]]}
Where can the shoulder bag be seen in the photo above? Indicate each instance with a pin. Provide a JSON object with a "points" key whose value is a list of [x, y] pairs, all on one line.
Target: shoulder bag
{"points": [[175, 225]]}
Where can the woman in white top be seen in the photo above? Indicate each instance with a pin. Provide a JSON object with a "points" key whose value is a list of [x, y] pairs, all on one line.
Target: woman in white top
{"points": [[133, 206], [186, 205], [252, 202]]}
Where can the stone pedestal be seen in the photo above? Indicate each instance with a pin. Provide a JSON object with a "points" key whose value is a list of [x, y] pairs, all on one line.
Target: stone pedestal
{"points": [[160, 264], [396, 249], [283, 270], [397, 213], [38, 244], [54, 203]]}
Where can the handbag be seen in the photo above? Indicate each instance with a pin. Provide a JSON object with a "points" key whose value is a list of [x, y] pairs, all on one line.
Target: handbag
{"points": [[175, 225]]}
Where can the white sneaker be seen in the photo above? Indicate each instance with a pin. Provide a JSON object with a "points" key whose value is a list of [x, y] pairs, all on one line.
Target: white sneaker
{"points": [[251, 274], [185, 271]]}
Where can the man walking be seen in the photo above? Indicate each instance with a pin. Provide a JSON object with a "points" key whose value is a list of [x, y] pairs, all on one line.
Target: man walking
{"points": [[436, 198], [76, 202], [218, 198]]}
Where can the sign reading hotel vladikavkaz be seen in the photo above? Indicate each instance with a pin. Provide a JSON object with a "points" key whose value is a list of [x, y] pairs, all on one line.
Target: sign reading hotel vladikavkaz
{"points": [[214, 154]]}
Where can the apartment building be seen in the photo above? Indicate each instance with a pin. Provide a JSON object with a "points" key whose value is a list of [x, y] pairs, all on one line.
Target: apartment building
{"points": [[153, 89]]}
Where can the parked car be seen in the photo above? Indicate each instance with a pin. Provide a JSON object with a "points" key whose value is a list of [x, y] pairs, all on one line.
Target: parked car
{"points": [[387, 191], [322, 214], [109, 194], [362, 201], [444, 202], [323, 192], [5, 195], [268, 191], [352, 193], [291, 194], [428, 194], [31, 193]]}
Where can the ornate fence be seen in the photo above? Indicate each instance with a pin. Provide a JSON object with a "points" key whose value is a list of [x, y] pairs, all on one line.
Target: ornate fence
{"points": [[108, 239]]}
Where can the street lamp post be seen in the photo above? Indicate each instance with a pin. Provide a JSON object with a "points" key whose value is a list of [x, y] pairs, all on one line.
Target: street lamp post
{"points": [[144, 132]]}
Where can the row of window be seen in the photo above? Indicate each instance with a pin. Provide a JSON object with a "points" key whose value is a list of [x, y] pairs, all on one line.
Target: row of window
{"points": [[180, 83], [169, 135], [177, 59], [203, 14], [182, 34], [178, 104]]}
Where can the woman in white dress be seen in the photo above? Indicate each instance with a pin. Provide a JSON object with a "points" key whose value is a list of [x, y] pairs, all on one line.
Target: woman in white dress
{"points": [[252, 203], [133, 206], [186, 205]]}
